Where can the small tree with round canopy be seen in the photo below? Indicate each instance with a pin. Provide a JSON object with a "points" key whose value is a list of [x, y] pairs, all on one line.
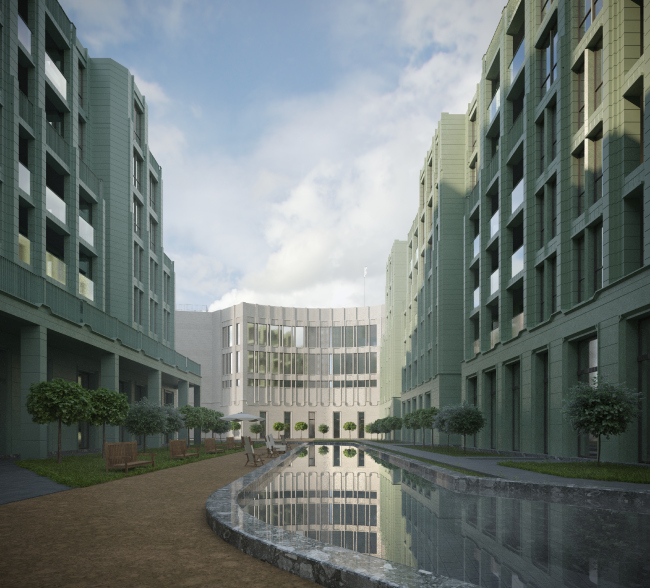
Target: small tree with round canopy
{"points": [[256, 429], [145, 418], [58, 401], [349, 427], [323, 429], [107, 407], [300, 426], [466, 419], [220, 427], [193, 419]]}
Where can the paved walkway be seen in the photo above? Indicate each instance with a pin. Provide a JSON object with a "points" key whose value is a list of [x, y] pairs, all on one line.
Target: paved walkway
{"points": [[17, 483], [488, 465]]}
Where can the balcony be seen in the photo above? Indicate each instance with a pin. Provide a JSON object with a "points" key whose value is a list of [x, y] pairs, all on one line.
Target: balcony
{"points": [[24, 178], [515, 132], [494, 224], [494, 281], [86, 287], [517, 61], [494, 337], [477, 245], [477, 297], [55, 268], [517, 196], [517, 324], [55, 205], [477, 346], [56, 77], [26, 109], [57, 143], [24, 249], [87, 176], [518, 261], [24, 35], [86, 231], [494, 106]]}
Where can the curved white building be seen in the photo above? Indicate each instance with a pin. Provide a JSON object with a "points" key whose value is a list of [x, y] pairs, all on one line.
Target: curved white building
{"points": [[316, 365]]}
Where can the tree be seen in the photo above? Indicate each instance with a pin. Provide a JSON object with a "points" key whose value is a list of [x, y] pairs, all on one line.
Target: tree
{"points": [[145, 418], [279, 427], [349, 452], [466, 419], [324, 450], [173, 419], [302, 453], [193, 419], [394, 423], [256, 429], [349, 426], [209, 418], [58, 401], [411, 422], [300, 426], [235, 426], [427, 421], [323, 429], [369, 429], [442, 419], [107, 407], [220, 427], [600, 408]]}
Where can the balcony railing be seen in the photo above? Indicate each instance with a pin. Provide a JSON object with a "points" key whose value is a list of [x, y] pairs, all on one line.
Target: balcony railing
{"points": [[24, 178], [515, 132], [55, 76], [494, 337], [517, 196], [55, 268], [517, 61], [491, 170], [153, 162], [494, 224], [58, 15], [86, 287], [517, 261], [24, 249], [55, 205], [24, 35], [477, 245], [86, 231], [474, 196], [517, 324], [494, 106], [477, 297], [88, 177], [494, 281], [57, 143], [26, 109]]}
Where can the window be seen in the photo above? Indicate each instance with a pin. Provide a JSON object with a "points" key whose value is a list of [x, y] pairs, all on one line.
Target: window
{"points": [[588, 11], [541, 219], [580, 171], [226, 336], [540, 131], [137, 171], [515, 375], [250, 328], [580, 89], [137, 305], [598, 167], [238, 334], [472, 131], [153, 188], [137, 262], [137, 124], [553, 122], [81, 83], [81, 139], [598, 75], [553, 270], [153, 314], [545, 5], [580, 254], [540, 287], [153, 270], [552, 191], [597, 240], [587, 371], [153, 230], [262, 335], [549, 61], [137, 217]]}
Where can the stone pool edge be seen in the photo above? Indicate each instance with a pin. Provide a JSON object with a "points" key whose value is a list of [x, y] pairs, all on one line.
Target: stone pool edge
{"points": [[312, 560], [637, 501]]}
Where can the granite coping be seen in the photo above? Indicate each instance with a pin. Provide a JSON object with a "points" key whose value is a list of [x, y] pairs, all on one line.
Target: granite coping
{"points": [[333, 566]]}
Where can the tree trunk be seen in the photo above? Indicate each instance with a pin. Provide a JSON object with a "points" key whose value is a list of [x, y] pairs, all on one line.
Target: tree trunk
{"points": [[447, 439], [431, 437], [465, 443], [144, 443], [103, 439], [598, 452], [59, 459], [422, 436]]}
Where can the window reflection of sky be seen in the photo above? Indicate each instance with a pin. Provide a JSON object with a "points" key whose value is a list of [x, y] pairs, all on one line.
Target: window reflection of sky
{"points": [[346, 497]]}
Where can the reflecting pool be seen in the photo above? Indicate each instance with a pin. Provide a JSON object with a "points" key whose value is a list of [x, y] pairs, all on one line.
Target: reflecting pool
{"points": [[343, 496]]}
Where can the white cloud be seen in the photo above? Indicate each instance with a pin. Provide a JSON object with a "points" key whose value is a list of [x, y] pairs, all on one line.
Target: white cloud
{"points": [[152, 91]]}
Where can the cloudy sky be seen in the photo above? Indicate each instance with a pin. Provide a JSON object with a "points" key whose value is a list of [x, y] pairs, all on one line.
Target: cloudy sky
{"points": [[291, 133]]}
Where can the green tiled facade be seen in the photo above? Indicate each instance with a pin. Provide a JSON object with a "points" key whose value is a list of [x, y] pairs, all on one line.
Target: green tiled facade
{"points": [[86, 290], [533, 228]]}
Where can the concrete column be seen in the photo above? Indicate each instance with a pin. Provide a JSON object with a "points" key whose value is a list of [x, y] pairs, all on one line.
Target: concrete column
{"points": [[197, 402], [154, 391], [110, 378], [183, 390], [33, 369]]}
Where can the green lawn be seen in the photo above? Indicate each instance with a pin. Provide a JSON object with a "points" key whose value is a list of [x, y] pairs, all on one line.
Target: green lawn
{"points": [[612, 472], [442, 465], [444, 450], [87, 470]]}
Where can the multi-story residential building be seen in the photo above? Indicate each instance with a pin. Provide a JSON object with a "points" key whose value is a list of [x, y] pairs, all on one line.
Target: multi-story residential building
{"points": [[554, 274], [313, 365], [86, 290]]}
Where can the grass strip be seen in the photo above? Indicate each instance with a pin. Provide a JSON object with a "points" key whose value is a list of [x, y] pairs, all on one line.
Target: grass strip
{"points": [[80, 471], [448, 450], [610, 472], [442, 465]]}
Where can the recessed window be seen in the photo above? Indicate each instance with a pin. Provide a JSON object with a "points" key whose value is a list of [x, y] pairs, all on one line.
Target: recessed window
{"points": [[137, 216]]}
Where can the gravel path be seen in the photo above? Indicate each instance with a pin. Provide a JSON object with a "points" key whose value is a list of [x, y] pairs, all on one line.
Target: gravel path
{"points": [[148, 530]]}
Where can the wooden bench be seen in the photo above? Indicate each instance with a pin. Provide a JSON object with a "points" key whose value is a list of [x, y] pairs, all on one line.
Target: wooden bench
{"points": [[212, 447], [178, 449], [125, 455]]}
